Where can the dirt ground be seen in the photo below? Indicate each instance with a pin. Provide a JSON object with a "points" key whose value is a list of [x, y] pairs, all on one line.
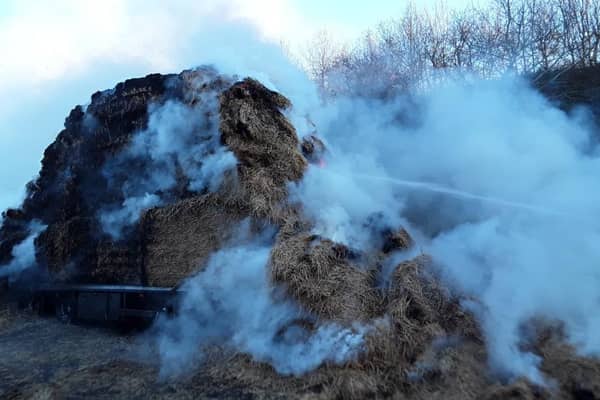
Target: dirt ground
{"points": [[42, 358]]}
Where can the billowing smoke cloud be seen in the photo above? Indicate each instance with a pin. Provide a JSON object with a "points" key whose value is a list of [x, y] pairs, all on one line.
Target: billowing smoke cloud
{"points": [[23, 253], [502, 185], [181, 143], [232, 303]]}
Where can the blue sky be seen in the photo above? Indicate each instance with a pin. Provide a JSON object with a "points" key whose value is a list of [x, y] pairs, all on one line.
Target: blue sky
{"points": [[56, 53], [6, 8], [358, 16]]}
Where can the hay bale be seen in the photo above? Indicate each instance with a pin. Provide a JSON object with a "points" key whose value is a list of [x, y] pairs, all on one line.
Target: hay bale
{"points": [[316, 273], [72, 253], [418, 301], [265, 144], [420, 314], [178, 239], [67, 242]]}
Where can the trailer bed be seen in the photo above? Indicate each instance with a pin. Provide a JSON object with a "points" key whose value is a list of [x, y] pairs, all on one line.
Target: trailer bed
{"points": [[104, 302]]}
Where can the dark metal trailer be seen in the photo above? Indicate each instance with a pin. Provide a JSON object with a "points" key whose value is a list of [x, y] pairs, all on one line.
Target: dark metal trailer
{"points": [[105, 303]]}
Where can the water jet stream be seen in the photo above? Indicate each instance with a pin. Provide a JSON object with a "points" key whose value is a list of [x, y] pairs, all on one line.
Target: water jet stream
{"points": [[437, 188]]}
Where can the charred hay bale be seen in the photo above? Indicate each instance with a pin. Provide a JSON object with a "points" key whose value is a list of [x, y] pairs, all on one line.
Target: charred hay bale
{"points": [[316, 274], [72, 188], [264, 142], [179, 238]]}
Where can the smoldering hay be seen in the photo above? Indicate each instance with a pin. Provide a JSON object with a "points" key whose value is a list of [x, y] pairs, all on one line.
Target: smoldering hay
{"points": [[292, 257]]}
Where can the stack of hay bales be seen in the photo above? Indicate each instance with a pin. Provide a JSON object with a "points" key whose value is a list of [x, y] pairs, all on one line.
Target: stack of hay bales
{"points": [[420, 343], [179, 238]]}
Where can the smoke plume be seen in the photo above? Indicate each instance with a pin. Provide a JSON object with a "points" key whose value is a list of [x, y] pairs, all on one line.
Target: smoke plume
{"points": [[498, 184], [23, 253]]}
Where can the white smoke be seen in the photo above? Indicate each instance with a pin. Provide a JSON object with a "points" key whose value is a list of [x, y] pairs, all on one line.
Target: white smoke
{"points": [[23, 253], [232, 303], [114, 221], [180, 140], [502, 183]]}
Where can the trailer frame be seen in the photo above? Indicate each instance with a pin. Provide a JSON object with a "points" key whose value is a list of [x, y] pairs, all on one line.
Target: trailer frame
{"points": [[104, 303]]}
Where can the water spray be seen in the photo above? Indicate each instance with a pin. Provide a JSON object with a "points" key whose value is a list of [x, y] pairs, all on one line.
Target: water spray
{"points": [[444, 190]]}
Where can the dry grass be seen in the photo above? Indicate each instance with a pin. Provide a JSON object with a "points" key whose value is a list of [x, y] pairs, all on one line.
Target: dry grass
{"points": [[318, 274], [422, 309]]}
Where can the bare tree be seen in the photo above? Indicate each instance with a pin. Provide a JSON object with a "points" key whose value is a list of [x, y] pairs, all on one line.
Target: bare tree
{"points": [[461, 35], [544, 30], [321, 56], [409, 52]]}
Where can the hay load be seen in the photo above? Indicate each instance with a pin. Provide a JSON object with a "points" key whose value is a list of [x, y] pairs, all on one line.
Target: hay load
{"points": [[179, 238], [167, 241], [420, 343]]}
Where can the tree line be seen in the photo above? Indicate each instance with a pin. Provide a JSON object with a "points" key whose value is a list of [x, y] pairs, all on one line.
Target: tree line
{"points": [[424, 45]]}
